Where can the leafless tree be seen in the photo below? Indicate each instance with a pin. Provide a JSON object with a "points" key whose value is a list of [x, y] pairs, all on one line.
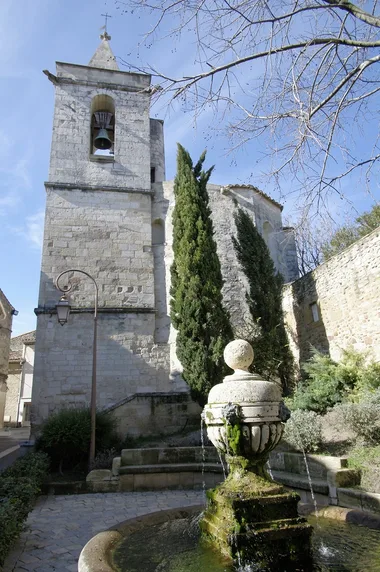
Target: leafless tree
{"points": [[310, 238], [302, 72]]}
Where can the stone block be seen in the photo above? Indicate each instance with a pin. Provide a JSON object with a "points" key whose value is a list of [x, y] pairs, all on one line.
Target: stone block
{"points": [[292, 462], [277, 461], [116, 466], [371, 502], [343, 478], [169, 456], [173, 480], [106, 486], [349, 498], [127, 483], [99, 475], [186, 480], [329, 462]]}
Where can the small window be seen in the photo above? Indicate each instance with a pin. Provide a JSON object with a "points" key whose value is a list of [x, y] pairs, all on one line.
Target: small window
{"points": [[153, 174], [315, 311]]}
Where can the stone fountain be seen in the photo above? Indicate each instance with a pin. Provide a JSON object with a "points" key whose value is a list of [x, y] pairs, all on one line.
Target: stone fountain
{"points": [[249, 517]]}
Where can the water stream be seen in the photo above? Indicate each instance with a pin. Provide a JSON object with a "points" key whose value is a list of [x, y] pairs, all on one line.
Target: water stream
{"points": [[203, 462], [307, 468]]}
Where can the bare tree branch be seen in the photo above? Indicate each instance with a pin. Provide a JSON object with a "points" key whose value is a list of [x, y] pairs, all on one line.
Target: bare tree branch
{"points": [[301, 75]]}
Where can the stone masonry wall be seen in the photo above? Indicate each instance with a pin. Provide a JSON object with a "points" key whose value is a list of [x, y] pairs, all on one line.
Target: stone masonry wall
{"points": [[128, 361], [106, 234], [346, 290], [6, 318], [70, 160], [13, 393]]}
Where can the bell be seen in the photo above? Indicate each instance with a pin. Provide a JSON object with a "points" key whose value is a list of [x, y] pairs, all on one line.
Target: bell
{"points": [[102, 141]]}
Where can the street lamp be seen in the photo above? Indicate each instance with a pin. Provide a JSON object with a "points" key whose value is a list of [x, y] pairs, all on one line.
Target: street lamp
{"points": [[63, 310]]}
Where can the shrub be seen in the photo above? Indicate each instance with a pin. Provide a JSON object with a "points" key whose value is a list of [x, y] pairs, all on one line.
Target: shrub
{"points": [[367, 460], [66, 435], [329, 383], [363, 419], [103, 459], [19, 486], [303, 431]]}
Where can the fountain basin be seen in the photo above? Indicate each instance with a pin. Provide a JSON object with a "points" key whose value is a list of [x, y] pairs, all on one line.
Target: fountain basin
{"points": [[336, 545], [97, 555]]}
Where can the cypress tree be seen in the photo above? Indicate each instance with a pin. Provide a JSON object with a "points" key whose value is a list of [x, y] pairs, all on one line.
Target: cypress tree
{"points": [[196, 282], [273, 358]]}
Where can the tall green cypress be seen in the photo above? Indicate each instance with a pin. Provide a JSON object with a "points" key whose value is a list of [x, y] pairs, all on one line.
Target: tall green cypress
{"points": [[273, 357], [196, 282]]}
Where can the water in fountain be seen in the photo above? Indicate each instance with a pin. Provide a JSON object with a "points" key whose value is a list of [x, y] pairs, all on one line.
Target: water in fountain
{"points": [[307, 468], [169, 547]]}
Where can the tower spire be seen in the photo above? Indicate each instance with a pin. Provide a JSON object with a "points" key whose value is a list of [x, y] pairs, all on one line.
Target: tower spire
{"points": [[103, 57]]}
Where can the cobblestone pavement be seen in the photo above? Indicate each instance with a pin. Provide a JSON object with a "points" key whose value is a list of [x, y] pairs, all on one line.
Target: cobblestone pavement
{"points": [[59, 526]]}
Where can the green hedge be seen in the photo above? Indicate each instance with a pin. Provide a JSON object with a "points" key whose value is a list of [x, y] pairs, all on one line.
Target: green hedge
{"points": [[65, 437], [19, 486]]}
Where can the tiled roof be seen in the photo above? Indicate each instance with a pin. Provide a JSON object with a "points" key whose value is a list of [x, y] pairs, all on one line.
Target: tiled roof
{"points": [[15, 356], [23, 339], [280, 206]]}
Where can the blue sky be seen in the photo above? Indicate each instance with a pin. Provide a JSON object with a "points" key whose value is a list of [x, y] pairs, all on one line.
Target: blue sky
{"points": [[33, 35]]}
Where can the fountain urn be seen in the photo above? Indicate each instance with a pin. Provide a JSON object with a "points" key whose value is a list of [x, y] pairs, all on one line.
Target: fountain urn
{"points": [[244, 414]]}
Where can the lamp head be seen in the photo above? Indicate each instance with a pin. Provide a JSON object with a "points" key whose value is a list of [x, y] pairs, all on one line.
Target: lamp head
{"points": [[63, 310]]}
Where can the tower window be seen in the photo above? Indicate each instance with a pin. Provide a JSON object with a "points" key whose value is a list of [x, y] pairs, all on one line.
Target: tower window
{"points": [[102, 126], [153, 174], [314, 312]]}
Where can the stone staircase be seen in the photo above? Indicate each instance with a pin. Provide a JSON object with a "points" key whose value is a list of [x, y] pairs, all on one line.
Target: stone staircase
{"points": [[160, 469]]}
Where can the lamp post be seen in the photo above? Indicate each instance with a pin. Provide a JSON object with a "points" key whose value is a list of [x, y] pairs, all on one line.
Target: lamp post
{"points": [[63, 311]]}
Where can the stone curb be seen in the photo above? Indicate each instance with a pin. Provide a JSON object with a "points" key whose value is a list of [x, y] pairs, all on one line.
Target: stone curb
{"points": [[352, 516], [96, 556]]}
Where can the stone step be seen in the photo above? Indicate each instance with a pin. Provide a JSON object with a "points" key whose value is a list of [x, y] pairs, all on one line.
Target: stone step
{"points": [[171, 468], [318, 465], [169, 455], [295, 481]]}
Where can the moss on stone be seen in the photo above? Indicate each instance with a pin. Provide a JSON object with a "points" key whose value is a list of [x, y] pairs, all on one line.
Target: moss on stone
{"points": [[234, 436]]}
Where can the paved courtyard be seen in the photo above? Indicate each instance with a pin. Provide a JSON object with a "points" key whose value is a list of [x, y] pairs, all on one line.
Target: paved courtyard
{"points": [[59, 526]]}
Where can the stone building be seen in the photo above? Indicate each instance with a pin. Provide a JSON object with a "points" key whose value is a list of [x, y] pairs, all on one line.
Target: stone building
{"points": [[7, 312], [108, 213], [336, 307], [20, 380]]}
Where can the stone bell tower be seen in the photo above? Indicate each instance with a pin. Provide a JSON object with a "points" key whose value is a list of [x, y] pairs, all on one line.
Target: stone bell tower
{"points": [[106, 152]]}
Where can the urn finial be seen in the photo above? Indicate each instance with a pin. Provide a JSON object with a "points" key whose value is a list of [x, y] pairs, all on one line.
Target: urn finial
{"points": [[238, 355]]}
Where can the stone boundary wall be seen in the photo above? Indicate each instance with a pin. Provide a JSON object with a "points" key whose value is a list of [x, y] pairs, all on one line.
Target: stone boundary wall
{"points": [[345, 291]]}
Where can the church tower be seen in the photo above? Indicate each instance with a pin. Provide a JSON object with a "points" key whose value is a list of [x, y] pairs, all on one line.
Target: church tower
{"points": [[106, 157]]}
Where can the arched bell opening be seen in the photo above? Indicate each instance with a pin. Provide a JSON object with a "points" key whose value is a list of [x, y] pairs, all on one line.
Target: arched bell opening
{"points": [[102, 125]]}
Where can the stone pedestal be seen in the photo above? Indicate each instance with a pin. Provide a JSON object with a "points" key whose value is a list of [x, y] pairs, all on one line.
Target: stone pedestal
{"points": [[258, 523], [249, 517]]}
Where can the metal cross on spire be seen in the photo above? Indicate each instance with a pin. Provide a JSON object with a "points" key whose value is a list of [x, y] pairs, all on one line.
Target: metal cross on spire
{"points": [[105, 35]]}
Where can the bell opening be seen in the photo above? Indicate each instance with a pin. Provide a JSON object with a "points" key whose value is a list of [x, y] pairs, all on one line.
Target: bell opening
{"points": [[102, 133]]}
